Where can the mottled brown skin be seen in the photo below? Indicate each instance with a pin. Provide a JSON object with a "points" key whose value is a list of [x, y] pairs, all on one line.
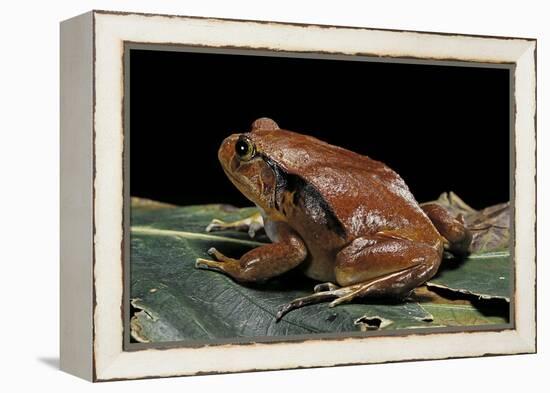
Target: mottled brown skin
{"points": [[343, 218]]}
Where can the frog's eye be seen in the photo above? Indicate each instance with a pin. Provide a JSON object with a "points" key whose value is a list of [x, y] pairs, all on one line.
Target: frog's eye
{"points": [[244, 149]]}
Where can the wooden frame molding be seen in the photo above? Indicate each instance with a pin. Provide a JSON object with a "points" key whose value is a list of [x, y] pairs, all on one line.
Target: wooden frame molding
{"points": [[92, 193]]}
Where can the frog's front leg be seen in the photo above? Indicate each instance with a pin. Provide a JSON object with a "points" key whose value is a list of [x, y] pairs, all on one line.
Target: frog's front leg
{"points": [[376, 266], [286, 252], [251, 224]]}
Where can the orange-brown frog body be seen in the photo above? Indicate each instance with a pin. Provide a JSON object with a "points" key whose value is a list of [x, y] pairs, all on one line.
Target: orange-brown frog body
{"points": [[343, 218]]}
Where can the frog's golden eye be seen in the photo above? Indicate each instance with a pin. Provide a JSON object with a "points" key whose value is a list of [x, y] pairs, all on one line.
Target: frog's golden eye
{"points": [[245, 148]]}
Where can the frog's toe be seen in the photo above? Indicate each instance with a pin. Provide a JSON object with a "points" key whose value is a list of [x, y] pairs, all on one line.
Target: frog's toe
{"points": [[207, 264], [218, 256], [325, 286], [215, 225], [342, 295], [343, 299], [253, 229], [304, 301]]}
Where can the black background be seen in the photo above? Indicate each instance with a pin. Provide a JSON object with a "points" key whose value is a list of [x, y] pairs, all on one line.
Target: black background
{"points": [[441, 128]]}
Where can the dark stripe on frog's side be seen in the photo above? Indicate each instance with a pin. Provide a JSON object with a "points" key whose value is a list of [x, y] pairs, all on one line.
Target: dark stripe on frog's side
{"points": [[305, 194]]}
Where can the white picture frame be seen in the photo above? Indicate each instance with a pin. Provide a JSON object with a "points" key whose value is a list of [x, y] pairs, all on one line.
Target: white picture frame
{"points": [[92, 194]]}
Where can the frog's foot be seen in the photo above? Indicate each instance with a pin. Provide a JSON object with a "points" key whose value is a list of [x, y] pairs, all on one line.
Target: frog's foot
{"points": [[216, 225], [323, 292], [339, 295], [325, 286], [252, 225], [458, 237], [220, 264]]}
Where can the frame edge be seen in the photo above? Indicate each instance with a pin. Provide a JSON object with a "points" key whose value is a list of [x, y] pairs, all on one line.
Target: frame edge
{"points": [[76, 204], [115, 364]]}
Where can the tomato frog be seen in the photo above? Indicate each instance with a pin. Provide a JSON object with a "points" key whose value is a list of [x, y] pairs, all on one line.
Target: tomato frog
{"points": [[344, 219]]}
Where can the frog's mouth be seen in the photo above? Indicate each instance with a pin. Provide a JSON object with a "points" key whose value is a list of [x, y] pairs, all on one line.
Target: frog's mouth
{"points": [[243, 184], [254, 187], [236, 181]]}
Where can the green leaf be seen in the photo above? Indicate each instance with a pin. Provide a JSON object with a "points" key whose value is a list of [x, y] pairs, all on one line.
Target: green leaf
{"points": [[454, 309], [174, 301], [483, 275], [461, 315]]}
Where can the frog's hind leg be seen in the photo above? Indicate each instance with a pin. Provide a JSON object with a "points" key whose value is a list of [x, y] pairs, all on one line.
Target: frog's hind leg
{"points": [[378, 266], [252, 224], [338, 295], [451, 228]]}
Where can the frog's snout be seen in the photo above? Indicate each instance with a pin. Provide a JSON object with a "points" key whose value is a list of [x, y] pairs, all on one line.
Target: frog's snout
{"points": [[226, 151]]}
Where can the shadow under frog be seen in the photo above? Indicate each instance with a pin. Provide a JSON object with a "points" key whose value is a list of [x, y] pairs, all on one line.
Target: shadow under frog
{"points": [[344, 219]]}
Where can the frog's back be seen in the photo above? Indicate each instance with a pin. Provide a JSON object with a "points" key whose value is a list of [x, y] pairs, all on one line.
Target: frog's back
{"points": [[364, 195]]}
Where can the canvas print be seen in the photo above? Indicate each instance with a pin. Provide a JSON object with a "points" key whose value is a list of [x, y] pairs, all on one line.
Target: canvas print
{"points": [[276, 196]]}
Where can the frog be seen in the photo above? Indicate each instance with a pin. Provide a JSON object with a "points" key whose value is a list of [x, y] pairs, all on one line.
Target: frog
{"points": [[343, 219]]}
